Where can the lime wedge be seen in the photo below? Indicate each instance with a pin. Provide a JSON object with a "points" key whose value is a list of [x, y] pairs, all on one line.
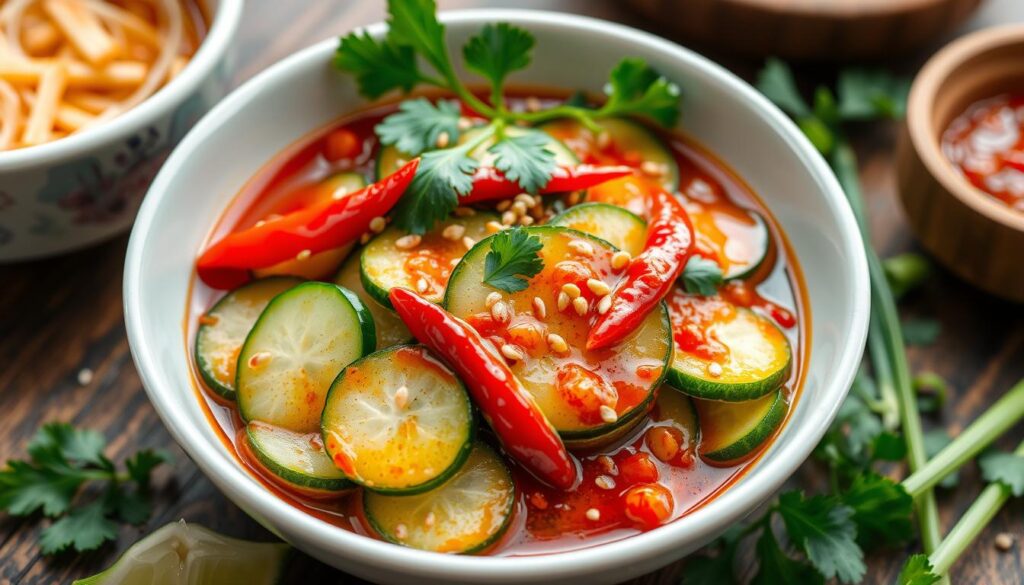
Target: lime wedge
{"points": [[180, 554]]}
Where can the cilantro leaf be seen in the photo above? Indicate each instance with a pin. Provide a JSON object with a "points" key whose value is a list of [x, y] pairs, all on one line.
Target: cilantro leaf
{"points": [[1005, 468], [921, 331], [888, 447], [718, 569], [418, 125], [701, 276], [85, 528], [497, 51], [414, 23], [132, 507], [61, 444], [26, 488], [636, 89], [866, 94], [906, 272], [141, 465], [524, 159], [936, 440], [378, 66], [917, 571], [777, 567], [776, 82], [513, 255], [823, 528], [882, 510], [442, 176]]}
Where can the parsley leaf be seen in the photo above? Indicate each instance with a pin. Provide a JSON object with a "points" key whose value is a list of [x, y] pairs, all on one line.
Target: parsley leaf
{"points": [[823, 528], [701, 276], [776, 82], [378, 67], [414, 23], [777, 567], [882, 510], [418, 124], [442, 176], [921, 331], [513, 254], [524, 158], [636, 89], [869, 94], [917, 571], [85, 528], [1005, 468], [498, 50]]}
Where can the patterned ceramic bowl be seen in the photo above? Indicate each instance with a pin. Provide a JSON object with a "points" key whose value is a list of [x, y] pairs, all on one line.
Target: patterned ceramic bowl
{"points": [[86, 188]]}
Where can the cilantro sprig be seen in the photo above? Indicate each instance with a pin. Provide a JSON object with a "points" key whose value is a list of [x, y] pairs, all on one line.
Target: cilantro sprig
{"points": [[415, 53], [702, 276], [514, 258], [62, 461]]}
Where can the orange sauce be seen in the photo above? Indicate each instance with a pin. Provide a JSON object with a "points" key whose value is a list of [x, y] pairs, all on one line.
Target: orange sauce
{"points": [[546, 520]]}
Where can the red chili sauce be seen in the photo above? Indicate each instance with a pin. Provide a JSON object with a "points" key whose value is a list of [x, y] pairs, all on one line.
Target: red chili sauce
{"points": [[986, 145], [656, 475]]}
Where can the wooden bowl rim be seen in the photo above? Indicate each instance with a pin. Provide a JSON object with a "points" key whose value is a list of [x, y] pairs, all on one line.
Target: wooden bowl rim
{"points": [[834, 9], [920, 105]]}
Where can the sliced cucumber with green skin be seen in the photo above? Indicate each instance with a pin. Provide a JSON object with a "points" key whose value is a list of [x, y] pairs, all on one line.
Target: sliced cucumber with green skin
{"points": [[677, 410], [398, 421], [755, 354], [389, 159], [424, 268], [390, 329], [733, 431], [301, 341], [620, 228], [466, 514], [630, 142], [297, 458], [570, 386], [741, 240], [223, 328]]}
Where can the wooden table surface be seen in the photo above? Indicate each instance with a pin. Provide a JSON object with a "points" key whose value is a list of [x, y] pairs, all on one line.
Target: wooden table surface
{"points": [[62, 315]]}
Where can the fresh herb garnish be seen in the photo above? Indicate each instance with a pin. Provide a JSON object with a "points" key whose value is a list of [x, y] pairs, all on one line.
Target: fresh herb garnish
{"points": [[701, 276], [1005, 468], [634, 89], [917, 571], [62, 460], [514, 255]]}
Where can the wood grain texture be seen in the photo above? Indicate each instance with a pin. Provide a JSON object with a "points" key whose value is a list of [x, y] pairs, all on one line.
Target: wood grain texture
{"points": [[62, 315]]}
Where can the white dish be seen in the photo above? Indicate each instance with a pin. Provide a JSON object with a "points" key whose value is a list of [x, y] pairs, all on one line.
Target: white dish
{"points": [[303, 93]]}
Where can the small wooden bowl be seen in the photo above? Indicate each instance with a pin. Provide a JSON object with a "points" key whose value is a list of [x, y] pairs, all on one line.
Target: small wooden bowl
{"points": [[821, 30], [976, 236]]}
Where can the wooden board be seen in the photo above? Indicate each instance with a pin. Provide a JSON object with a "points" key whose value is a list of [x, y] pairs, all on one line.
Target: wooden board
{"points": [[62, 315]]}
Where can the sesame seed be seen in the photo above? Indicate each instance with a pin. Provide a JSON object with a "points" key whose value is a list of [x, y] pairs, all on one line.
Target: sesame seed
{"points": [[598, 287], [468, 242], [1004, 541], [604, 482], [604, 139], [401, 397], [260, 223], [526, 220], [303, 255], [465, 123], [363, 239], [401, 531], [582, 248], [620, 259], [715, 369], [654, 169], [491, 299], [540, 310], [493, 227], [604, 304], [408, 242], [513, 352], [429, 520], [608, 414], [581, 306], [608, 464], [259, 358], [519, 208], [464, 212], [563, 301], [501, 312], [421, 285], [378, 224], [533, 104], [571, 289], [85, 377], [526, 199], [339, 194], [454, 262], [442, 140], [509, 217], [504, 205], [557, 343], [593, 514], [454, 232]]}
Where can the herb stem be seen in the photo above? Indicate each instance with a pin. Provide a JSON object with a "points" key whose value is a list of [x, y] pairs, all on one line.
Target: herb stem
{"points": [[986, 428], [581, 115], [970, 525]]}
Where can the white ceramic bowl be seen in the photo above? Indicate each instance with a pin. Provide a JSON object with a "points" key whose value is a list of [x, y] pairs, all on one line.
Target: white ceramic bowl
{"points": [[85, 188], [303, 93]]}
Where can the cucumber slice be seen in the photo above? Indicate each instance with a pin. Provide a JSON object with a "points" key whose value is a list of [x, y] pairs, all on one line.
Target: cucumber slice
{"points": [[620, 228], [189, 553], [390, 329], [223, 328], [630, 144], [383, 265], [297, 458], [732, 431], [739, 238], [398, 421], [302, 340], [725, 352], [572, 385], [466, 514], [389, 159], [677, 411]]}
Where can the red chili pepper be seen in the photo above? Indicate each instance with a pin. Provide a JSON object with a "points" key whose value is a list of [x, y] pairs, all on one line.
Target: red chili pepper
{"points": [[328, 225], [489, 184], [521, 427], [651, 275]]}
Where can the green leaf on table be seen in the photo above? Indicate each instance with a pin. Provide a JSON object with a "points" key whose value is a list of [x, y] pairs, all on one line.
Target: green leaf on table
{"points": [[636, 89], [414, 23], [882, 510], [906, 272], [888, 447], [378, 66], [498, 50], [920, 331], [1005, 468], [443, 175], [525, 159], [867, 94], [26, 488], [419, 125], [514, 258], [140, 466], [85, 528], [917, 571], [932, 391], [936, 440], [701, 276], [776, 567], [776, 82], [823, 527], [63, 445], [718, 569], [825, 107]]}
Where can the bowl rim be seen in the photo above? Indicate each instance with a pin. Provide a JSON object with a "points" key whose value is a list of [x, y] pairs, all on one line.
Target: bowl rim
{"points": [[646, 547], [925, 139], [226, 18]]}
